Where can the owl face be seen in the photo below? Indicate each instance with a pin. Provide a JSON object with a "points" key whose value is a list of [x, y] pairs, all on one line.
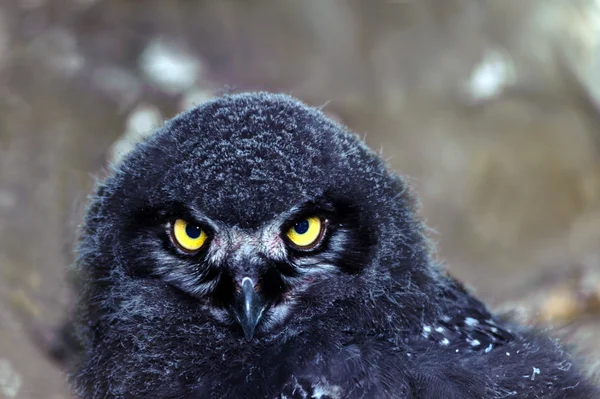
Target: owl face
{"points": [[254, 275], [249, 207]]}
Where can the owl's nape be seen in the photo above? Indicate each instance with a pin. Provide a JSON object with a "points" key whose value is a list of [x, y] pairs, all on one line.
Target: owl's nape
{"points": [[253, 248]]}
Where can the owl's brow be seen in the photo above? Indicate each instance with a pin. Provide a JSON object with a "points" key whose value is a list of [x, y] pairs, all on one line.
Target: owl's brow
{"points": [[203, 218], [318, 204]]}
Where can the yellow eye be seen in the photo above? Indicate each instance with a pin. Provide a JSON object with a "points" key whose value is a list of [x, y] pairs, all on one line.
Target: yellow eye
{"points": [[306, 233], [189, 237]]}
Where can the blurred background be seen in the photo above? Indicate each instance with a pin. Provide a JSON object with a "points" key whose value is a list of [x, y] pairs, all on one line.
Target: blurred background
{"points": [[490, 107]]}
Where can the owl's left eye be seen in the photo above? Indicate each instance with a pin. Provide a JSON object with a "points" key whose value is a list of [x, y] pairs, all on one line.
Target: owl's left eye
{"points": [[189, 237], [306, 233]]}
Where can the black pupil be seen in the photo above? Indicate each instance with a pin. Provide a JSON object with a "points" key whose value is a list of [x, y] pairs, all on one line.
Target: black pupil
{"points": [[193, 231], [301, 227]]}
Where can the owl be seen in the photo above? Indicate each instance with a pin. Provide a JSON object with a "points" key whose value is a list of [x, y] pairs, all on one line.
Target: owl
{"points": [[254, 248]]}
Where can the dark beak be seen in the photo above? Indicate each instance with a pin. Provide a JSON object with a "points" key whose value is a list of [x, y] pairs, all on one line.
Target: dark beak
{"points": [[248, 308]]}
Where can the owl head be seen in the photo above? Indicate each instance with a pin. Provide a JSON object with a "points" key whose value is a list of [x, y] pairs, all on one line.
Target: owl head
{"points": [[248, 213]]}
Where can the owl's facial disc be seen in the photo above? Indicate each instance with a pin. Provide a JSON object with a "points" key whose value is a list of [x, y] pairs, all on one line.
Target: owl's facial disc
{"points": [[253, 277]]}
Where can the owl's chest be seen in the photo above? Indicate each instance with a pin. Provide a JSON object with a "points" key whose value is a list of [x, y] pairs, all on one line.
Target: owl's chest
{"points": [[285, 369], [248, 370]]}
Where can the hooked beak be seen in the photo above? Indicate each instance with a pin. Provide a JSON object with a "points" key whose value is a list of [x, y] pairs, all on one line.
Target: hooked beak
{"points": [[248, 308]]}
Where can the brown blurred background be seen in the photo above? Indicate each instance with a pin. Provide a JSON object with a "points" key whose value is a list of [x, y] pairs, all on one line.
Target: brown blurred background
{"points": [[489, 106]]}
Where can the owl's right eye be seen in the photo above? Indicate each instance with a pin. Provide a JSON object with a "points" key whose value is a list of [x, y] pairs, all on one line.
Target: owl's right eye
{"points": [[189, 237]]}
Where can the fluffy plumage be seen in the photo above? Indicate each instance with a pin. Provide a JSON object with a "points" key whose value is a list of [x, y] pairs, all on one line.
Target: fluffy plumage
{"points": [[367, 313]]}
